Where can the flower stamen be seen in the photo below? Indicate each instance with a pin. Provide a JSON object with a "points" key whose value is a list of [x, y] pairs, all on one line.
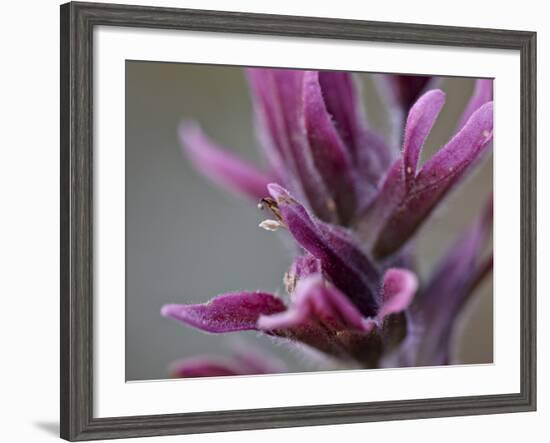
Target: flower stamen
{"points": [[271, 225]]}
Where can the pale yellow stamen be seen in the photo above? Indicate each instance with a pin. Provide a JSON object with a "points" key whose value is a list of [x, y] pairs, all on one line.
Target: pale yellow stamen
{"points": [[270, 225], [289, 281]]}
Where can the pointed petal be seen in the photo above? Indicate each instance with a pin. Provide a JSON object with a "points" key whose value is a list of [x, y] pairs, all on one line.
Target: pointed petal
{"points": [[483, 93], [329, 153], [341, 258], [451, 161], [278, 98], [419, 124], [460, 270], [394, 189], [436, 178], [222, 167], [237, 311], [398, 289]]}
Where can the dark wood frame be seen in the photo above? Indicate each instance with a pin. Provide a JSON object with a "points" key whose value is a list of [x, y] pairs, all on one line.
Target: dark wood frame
{"points": [[77, 23]]}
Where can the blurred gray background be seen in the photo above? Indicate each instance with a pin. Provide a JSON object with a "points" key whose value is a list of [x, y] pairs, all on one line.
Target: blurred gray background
{"points": [[187, 241]]}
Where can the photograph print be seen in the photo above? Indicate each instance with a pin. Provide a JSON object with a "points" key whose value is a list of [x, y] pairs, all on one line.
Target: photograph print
{"points": [[284, 221]]}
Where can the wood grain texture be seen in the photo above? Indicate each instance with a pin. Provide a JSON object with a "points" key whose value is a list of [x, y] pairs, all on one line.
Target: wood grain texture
{"points": [[77, 23]]}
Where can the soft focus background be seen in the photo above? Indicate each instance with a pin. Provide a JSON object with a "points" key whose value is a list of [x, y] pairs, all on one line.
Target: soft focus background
{"points": [[187, 241]]}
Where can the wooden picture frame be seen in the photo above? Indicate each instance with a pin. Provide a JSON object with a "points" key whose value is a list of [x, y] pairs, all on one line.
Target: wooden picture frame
{"points": [[77, 23]]}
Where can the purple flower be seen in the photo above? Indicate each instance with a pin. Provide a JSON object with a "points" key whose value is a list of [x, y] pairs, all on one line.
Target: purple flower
{"points": [[340, 302], [351, 202], [408, 194], [315, 139]]}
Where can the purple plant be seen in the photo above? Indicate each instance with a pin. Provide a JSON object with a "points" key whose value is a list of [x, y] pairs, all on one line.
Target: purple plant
{"points": [[352, 202]]}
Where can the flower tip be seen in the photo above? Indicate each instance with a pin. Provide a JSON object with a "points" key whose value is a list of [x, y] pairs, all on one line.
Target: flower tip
{"points": [[276, 190], [190, 136], [168, 310], [404, 278], [434, 99], [436, 94], [488, 106], [482, 117], [428, 107], [486, 110], [188, 129], [439, 98], [398, 289]]}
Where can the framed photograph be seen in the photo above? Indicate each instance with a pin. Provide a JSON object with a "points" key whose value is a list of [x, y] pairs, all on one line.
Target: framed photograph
{"points": [[273, 221]]}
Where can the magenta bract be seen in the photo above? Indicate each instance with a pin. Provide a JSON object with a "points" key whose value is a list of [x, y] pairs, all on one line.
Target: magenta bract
{"points": [[351, 201]]}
